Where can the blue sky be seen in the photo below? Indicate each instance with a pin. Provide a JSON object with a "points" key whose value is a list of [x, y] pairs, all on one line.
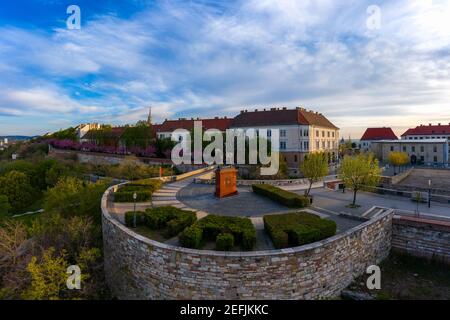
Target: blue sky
{"points": [[207, 58]]}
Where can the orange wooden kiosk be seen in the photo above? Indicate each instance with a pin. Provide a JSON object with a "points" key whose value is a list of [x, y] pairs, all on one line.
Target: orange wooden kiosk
{"points": [[226, 182]]}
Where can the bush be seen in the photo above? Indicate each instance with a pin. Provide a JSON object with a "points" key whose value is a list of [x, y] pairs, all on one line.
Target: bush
{"points": [[127, 196], [241, 229], [284, 197], [149, 184], [295, 229], [129, 218], [225, 242], [174, 219], [191, 237]]}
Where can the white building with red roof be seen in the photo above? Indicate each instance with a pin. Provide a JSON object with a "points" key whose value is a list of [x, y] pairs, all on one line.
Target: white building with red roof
{"points": [[429, 131], [301, 132], [375, 134]]}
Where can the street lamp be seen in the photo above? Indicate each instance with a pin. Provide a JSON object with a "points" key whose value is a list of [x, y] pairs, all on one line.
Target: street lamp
{"points": [[134, 215], [429, 193]]}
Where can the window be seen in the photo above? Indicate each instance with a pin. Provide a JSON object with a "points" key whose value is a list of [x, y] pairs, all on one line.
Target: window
{"points": [[317, 145], [323, 134], [328, 134], [422, 149], [333, 134], [413, 149], [323, 144], [328, 145], [282, 145], [305, 133], [404, 148], [422, 159], [317, 133], [392, 148], [269, 132], [306, 145], [282, 133], [434, 149], [295, 158], [435, 159]]}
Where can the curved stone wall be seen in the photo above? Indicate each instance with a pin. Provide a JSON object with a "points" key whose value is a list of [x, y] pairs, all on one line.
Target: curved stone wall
{"points": [[140, 268]]}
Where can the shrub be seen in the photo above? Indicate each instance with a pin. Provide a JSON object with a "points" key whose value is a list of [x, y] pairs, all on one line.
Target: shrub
{"points": [[191, 237], [127, 196], [149, 184], [225, 242], [174, 219], [129, 218], [284, 197], [241, 229], [294, 229]]}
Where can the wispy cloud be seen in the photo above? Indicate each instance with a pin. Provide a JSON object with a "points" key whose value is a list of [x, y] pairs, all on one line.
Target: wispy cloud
{"points": [[207, 58]]}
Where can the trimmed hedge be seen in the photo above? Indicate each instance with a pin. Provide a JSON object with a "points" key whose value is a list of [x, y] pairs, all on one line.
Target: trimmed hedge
{"points": [[149, 184], [212, 226], [225, 242], [287, 198], [191, 237], [144, 189], [127, 196], [129, 218], [296, 229], [173, 219]]}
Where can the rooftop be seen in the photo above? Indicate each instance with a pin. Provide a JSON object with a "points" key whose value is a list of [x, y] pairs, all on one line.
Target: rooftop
{"points": [[281, 116], [374, 134], [430, 129]]}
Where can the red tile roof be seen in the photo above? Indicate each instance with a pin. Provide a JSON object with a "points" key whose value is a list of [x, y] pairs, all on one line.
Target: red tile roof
{"points": [[170, 125], [428, 130], [283, 116], [379, 134]]}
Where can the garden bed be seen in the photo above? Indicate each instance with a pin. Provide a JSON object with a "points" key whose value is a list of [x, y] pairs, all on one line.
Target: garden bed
{"points": [[160, 223], [287, 198], [228, 233], [143, 188], [296, 229]]}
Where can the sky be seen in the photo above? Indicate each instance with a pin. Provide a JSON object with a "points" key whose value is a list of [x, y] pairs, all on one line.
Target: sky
{"points": [[361, 66]]}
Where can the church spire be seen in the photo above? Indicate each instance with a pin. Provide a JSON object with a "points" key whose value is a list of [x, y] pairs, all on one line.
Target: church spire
{"points": [[149, 118]]}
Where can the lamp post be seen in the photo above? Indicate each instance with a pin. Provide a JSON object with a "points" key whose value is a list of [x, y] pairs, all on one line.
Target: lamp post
{"points": [[134, 215], [429, 193]]}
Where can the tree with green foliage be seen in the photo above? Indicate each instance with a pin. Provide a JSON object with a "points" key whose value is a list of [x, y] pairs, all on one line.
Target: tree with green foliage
{"points": [[139, 135], [314, 167], [359, 172], [48, 276], [5, 207], [16, 186], [69, 133], [72, 197]]}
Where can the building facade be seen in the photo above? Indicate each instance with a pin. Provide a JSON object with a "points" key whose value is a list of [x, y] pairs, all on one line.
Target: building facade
{"points": [[375, 134], [425, 151], [430, 131], [301, 131]]}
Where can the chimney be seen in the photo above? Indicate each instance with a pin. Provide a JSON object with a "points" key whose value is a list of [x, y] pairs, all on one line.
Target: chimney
{"points": [[273, 109], [429, 124], [439, 124], [216, 118], [256, 110], [284, 108]]}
